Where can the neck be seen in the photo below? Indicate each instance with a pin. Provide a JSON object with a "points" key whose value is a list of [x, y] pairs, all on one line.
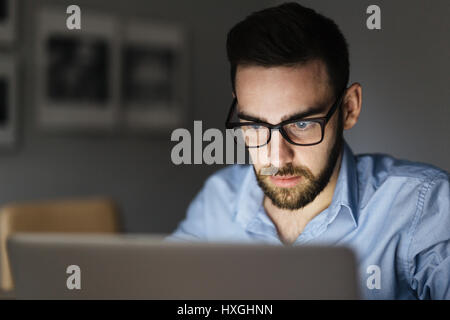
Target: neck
{"points": [[290, 223]]}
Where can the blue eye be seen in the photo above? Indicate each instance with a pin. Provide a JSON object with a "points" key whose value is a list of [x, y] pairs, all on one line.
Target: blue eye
{"points": [[301, 124], [255, 126]]}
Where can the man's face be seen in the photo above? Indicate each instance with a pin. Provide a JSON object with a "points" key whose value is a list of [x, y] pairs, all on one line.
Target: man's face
{"points": [[276, 94]]}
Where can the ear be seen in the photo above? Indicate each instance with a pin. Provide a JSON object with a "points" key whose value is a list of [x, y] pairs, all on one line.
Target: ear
{"points": [[351, 105]]}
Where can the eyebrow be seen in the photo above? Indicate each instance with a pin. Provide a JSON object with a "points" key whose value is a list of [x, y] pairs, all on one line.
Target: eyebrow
{"points": [[298, 115]]}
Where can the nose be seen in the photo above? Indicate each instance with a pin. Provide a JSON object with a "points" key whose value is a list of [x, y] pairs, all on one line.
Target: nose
{"points": [[280, 150]]}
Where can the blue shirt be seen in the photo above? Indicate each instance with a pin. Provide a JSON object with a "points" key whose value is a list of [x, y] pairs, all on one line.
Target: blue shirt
{"points": [[394, 214]]}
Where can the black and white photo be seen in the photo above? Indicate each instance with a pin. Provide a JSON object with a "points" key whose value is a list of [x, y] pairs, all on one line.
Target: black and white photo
{"points": [[7, 21], [154, 76], [77, 72], [8, 106]]}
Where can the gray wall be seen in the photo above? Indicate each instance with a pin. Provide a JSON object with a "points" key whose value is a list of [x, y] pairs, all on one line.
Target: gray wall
{"points": [[403, 68]]}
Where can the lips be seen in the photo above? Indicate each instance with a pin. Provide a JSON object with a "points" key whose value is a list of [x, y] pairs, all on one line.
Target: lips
{"points": [[285, 181]]}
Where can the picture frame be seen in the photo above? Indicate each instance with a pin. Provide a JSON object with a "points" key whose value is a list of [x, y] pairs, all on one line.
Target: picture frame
{"points": [[8, 10], [154, 76], [77, 71], [8, 101]]}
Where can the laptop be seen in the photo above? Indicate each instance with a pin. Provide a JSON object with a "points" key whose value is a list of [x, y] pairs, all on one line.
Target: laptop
{"points": [[94, 266]]}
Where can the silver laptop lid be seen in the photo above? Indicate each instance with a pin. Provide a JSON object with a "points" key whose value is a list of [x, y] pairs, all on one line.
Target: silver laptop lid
{"points": [[87, 266]]}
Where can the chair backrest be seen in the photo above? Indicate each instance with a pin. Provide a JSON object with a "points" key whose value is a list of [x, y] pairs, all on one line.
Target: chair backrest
{"points": [[95, 215]]}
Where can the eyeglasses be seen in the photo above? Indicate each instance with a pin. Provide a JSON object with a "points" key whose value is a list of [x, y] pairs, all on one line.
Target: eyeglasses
{"points": [[298, 132]]}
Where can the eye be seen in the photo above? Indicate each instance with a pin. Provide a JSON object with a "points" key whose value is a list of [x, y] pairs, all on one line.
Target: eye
{"points": [[302, 124], [255, 126]]}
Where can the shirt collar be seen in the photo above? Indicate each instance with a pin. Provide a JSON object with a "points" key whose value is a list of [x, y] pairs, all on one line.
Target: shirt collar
{"points": [[345, 195], [346, 190]]}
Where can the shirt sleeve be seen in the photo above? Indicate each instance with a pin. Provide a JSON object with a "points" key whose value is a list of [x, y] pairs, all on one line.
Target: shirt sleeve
{"points": [[429, 251], [192, 228]]}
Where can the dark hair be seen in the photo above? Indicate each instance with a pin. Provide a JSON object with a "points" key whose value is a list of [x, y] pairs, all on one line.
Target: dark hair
{"points": [[289, 34]]}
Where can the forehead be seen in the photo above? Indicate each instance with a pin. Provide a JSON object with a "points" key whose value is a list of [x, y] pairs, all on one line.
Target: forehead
{"points": [[272, 93]]}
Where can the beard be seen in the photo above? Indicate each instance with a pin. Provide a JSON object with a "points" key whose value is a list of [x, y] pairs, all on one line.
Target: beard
{"points": [[309, 187]]}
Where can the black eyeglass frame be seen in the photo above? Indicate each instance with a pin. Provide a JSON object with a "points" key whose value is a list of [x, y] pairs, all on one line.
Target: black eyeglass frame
{"points": [[322, 121]]}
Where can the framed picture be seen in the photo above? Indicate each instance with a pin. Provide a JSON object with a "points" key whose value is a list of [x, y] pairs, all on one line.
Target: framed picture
{"points": [[7, 21], [8, 109], [77, 84], [154, 76]]}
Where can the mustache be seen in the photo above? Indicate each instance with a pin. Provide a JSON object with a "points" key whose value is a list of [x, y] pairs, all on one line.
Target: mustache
{"points": [[287, 170]]}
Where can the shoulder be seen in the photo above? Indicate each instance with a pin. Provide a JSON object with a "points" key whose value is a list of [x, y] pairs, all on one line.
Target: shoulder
{"points": [[405, 185], [209, 214], [229, 179], [222, 191], [379, 168]]}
